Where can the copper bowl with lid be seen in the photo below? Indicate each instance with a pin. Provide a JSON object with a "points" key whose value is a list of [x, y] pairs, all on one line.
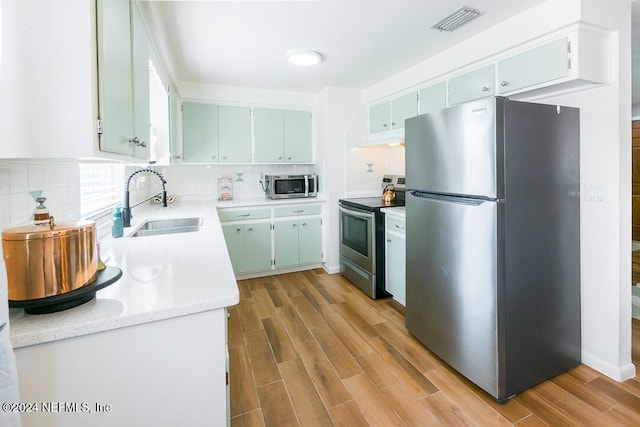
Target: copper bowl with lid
{"points": [[49, 259]]}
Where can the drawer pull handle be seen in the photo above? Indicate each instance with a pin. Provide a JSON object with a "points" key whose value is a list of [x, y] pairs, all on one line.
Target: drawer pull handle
{"points": [[245, 215], [299, 211], [401, 228]]}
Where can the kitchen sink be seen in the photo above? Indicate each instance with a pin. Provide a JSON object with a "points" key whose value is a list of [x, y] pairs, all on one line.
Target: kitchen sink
{"points": [[155, 227]]}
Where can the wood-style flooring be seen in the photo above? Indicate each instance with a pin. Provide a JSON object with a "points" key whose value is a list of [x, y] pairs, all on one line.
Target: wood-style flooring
{"points": [[310, 349], [635, 267]]}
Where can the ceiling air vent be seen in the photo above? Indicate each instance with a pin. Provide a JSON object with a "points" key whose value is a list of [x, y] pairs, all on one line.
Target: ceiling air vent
{"points": [[456, 19]]}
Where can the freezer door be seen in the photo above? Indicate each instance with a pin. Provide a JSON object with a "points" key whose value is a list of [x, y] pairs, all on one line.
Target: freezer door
{"points": [[455, 150], [452, 282]]}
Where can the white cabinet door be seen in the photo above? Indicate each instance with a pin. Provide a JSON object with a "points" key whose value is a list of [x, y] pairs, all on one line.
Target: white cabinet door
{"points": [[403, 108], [379, 117], [395, 258], [433, 98], [535, 66], [473, 85]]}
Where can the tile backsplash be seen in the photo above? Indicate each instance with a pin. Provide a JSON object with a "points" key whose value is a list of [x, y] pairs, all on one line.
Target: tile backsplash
{"points": [[201, 181], [22, 181], [365, 167]]}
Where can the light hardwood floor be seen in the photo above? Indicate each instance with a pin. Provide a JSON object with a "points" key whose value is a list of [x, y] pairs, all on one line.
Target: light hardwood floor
{"points": [[310, 349]]}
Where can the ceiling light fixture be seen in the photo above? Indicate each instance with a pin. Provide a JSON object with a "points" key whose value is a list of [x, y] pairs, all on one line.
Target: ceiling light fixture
{"points": [[456, 19], [305, 57]]}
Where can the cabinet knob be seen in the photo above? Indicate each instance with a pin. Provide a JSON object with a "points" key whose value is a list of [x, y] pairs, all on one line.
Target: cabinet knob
{"points": [[136, 141], [280, 158], [401, 228], [485, 89], [237, 229], [393, 123], [504, 83], [289, 158], [179, 156], [294, 225], [224, 157], [213, 157], [304, 224], [384, 125], [389, 240], [250, 228]]}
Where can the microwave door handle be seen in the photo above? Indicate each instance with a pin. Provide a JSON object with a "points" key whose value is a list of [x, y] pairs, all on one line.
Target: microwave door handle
{"points": [[306, 186]]}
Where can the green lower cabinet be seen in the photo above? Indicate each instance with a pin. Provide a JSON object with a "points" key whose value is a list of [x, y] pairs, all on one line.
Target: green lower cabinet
{"points": [[249, 246], [298, 242], [310, 240], [285, 236]]}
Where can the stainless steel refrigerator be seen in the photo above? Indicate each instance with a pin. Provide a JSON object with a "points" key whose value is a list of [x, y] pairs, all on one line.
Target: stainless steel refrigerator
{"points": [[493, 241]]}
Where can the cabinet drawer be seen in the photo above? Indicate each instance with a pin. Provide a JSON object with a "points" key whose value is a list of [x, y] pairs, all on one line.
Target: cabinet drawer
{"points": [[243, 214], [395, 224], [297, 210]]}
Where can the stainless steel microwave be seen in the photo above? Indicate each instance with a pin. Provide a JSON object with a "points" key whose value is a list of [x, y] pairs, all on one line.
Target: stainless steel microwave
{"points": [[291, 186]]}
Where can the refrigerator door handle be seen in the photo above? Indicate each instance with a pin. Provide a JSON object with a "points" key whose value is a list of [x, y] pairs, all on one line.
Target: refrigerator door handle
{"points": [[461, 200]]}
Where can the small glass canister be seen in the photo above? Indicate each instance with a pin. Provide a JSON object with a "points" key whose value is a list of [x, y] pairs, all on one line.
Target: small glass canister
{"points": [[225, 188]]}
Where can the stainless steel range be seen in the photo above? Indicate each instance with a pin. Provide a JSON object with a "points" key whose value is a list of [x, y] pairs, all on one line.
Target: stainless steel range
{"points": [[362, 237]]}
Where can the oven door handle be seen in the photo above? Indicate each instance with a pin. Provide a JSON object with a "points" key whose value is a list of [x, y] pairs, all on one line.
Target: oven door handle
{"points": [[355, 213]]}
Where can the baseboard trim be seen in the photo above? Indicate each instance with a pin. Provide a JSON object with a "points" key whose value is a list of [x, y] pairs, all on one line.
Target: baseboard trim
{"points": [[617, 373]]}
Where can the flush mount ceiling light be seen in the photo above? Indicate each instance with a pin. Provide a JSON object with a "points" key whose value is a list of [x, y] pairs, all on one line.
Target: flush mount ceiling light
{"points": [[305, 57], [456, 19]]}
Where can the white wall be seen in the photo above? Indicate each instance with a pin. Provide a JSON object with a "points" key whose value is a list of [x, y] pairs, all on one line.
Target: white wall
{"points": [[605, 161], [340, 114]]}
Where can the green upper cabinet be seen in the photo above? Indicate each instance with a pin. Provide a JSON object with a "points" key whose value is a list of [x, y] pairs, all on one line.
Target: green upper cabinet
{"points": [[297, 137], [141, 105], [380, 117], [216, 133], [123, 70], [473, 85], [403, 108], [535, 66], [200, 132], [433, 98], [282, 136], [234, 134], [173, 124], [268, 128], [392, 114]]}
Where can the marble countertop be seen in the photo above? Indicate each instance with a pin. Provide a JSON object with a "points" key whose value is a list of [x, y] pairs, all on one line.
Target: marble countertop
{"points": [[163, 277]]}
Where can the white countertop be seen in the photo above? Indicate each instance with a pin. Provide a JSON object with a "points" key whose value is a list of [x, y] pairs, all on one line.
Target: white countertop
{"points": [[395, 211], [265, 201], [163, 277]]}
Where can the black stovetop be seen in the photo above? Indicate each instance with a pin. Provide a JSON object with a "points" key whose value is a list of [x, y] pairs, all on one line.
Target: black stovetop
{"points": [[373, 204]]}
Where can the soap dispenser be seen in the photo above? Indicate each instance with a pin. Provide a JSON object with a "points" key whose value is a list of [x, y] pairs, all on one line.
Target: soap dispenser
{"points": [[117, 223]]}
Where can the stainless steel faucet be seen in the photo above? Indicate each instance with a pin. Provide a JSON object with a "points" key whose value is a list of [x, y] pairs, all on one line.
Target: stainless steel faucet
{"points": [[126, 210]]}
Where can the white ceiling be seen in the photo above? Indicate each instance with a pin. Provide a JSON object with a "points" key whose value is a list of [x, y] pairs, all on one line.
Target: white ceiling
{"points": [[245, 43]]}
